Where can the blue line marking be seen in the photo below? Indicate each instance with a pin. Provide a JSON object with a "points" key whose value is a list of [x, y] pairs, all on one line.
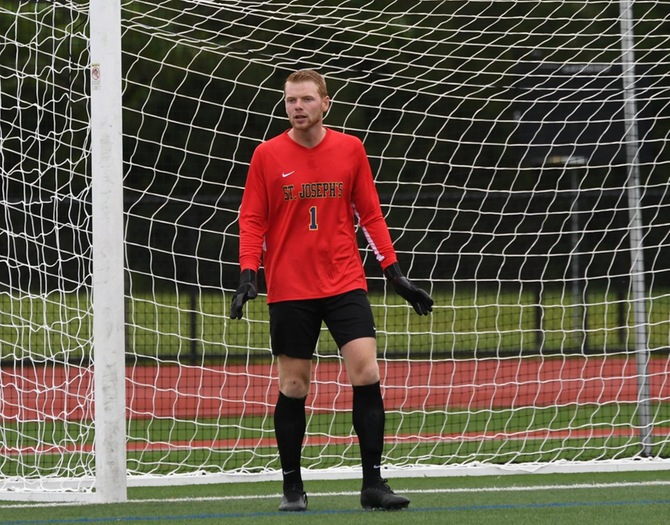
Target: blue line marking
{"points": [[312, 513]]}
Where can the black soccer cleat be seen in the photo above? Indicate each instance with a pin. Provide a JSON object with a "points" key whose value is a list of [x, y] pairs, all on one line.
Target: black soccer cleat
{"points": [[293, 500], [379, 496]]}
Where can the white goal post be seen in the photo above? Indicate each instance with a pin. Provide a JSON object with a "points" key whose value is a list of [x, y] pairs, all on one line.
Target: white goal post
{"points": [[520, 150]]}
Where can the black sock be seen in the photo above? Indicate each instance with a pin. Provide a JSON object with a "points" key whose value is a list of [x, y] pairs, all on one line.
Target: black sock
{"points": [[368, 419], [290, 425]]}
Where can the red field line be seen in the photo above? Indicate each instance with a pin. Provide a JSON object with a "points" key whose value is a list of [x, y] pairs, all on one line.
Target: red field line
{"points": [[38, 393]]}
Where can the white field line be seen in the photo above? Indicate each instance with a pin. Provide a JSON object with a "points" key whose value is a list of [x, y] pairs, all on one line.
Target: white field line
{"points": [[525, 488]]}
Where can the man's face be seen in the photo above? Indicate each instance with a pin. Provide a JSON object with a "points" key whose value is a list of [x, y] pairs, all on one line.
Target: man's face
{"points": [[304, 106]]}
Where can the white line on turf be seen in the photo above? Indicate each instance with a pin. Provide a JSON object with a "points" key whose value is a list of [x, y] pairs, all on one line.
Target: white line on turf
{"points": [[455, 490]]}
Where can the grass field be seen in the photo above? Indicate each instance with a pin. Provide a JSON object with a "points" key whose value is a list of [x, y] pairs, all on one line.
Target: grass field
{"points": [[593, 498], [486, 323]]}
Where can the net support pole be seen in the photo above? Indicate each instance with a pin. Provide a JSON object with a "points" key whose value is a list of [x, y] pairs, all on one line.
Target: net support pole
{"points": [[108, 251], [638, 287]]}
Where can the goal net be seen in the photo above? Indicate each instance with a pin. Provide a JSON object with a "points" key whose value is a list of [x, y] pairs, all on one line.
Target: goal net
{"points": [[521, 154]]}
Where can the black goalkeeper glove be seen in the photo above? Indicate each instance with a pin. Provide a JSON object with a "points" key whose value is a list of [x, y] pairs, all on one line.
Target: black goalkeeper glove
{"points": [[247, 289], [419, 299]]}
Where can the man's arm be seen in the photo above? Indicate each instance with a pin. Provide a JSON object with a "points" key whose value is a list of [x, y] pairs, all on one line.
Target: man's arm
{"points": [[253, 225], [368, 210], [253, 215]]}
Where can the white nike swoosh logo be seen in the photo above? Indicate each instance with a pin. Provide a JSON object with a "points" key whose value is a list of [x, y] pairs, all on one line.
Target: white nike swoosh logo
{"points": [[287, 174]]}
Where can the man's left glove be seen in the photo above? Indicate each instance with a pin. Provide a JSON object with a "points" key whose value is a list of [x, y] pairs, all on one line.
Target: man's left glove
{"points": [[418, 298], [247, 289]]}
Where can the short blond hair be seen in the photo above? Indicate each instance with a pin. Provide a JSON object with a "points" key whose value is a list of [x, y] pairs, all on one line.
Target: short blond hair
{"points": [[309, 75]]}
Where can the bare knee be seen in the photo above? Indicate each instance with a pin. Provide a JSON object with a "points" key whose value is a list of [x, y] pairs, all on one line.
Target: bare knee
{"points": [[294, 376], [360, 357], [294, 387], [365, 375]]}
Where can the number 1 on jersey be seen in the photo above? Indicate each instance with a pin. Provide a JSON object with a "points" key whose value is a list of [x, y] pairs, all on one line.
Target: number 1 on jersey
{"points": [[313, 225]]}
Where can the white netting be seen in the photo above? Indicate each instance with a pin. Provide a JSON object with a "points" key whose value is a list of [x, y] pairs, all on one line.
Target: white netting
{"points": [[521, 157], [45, 260]]}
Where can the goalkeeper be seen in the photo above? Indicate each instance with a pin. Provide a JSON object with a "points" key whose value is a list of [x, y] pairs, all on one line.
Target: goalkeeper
{"points": [[305, 190]]}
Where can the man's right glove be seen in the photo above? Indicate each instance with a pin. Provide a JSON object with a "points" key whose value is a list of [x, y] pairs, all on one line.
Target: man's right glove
{"points": [[419, 299], [247, 289]]}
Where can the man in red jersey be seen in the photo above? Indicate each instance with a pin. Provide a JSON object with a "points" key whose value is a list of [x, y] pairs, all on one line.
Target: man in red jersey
{"points": [[305, 191]]}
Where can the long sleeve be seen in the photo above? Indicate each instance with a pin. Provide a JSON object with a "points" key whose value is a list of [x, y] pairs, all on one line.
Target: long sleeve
{"points": [[253, 217], [367, 208]]}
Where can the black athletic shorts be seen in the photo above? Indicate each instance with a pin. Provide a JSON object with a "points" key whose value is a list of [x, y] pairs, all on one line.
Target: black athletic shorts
{"points": [[295, 325]]}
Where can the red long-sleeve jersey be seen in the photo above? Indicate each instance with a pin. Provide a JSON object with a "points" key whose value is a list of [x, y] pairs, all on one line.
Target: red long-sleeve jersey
{"points": [[298, 216]]}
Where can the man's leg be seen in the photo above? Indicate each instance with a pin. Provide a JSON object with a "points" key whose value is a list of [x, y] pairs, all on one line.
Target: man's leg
{"points": [[289, 420], [360, 357], [294, 331]]}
